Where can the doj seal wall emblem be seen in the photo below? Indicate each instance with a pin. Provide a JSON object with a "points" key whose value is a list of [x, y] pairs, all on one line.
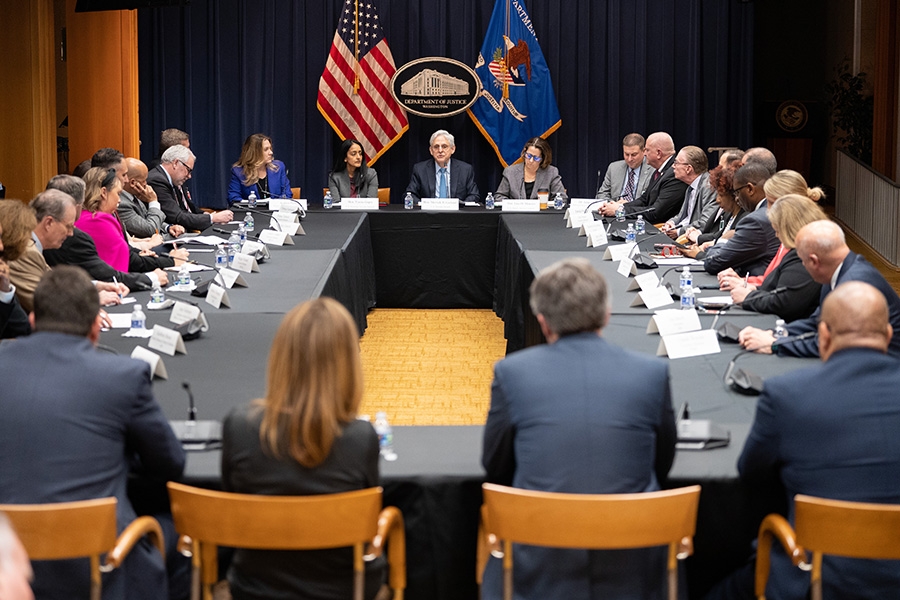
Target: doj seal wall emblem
{"points": [[435, 87]]}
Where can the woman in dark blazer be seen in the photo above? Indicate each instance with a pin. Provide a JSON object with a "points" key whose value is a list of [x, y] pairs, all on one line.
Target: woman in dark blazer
{"points": [[351, 176], [303, 438], [534, 173], [258, 171]]}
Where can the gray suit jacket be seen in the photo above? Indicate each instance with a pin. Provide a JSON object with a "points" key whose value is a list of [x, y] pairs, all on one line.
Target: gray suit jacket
{"points": [[339, 185], [704, 205], [512, 185], [140, 219], [614, 180]]}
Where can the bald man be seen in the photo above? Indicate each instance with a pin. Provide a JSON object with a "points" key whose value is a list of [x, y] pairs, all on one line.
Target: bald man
{"points": [[665, 194], [762, 156], [824, 252], [139, 207], [831, 431]]}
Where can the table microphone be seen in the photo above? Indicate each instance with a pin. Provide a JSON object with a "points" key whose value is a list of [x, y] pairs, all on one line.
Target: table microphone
{"points": [[194, 434], [300, 210], [262, 213], [751, 384]]}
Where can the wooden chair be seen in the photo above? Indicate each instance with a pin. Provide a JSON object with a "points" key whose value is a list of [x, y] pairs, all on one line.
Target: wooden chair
{"points": [[384, 196], [210, 519], [850, 529], [590, 521], [295, 193], [79, 529]]}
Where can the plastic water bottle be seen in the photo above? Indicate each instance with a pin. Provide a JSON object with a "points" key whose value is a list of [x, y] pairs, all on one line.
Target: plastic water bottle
{"points": [[620, 212], [157, 296], [630, 234], [138, 318], [639, 225], [249, 223], [184, 275], [408, 201], [385, 436], [780, 330], [234, 245], [687, 298], [328, 201], [222, 257], [686, 279], [242, 231], [251, 200], [558, 202], [489, 201]]}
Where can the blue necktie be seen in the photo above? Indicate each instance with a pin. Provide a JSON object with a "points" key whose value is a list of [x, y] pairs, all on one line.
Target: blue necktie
{"points": [[442, 184]]}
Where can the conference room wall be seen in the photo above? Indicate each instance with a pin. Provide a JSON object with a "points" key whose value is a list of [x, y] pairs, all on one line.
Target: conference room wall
{"points": [[222, 69]]}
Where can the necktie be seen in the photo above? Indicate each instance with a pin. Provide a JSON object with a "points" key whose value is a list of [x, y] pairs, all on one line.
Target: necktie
{"points": [[184, 202], [690, 208], [655, 174], [442, 184], [629, 185]]}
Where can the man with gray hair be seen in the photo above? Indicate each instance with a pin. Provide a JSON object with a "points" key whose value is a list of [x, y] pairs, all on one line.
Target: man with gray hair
{"points": [[570, 416], [167, 180], [439, 177], [15, 570]]}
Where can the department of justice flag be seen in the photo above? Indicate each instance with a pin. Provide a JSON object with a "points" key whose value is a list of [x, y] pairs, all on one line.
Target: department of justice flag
{"points": [[517, 102], [354, 90]]}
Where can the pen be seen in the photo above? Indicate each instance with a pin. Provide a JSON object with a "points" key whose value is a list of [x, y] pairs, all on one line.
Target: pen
{"points": [[116, 283], [746, 277]]}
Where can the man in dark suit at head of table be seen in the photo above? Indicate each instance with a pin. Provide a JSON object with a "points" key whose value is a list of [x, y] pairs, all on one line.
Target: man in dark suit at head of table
{"points": [[441, 177]]}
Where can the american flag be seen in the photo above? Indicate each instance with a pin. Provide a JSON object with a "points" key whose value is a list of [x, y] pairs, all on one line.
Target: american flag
{"points": [[354, 90]]}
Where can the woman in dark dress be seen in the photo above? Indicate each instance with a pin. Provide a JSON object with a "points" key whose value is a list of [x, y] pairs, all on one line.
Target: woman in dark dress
{"points": [[303, 438]]}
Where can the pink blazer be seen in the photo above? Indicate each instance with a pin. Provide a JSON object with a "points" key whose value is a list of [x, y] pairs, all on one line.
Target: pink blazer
{"points": [[107, 234]]}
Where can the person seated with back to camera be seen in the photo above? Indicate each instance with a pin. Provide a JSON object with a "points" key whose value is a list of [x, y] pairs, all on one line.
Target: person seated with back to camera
{"points": [[258, 171], [534, 174], [351, 176]]}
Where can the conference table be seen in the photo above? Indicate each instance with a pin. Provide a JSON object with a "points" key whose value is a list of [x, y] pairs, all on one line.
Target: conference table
{"points": [[471, 258]]}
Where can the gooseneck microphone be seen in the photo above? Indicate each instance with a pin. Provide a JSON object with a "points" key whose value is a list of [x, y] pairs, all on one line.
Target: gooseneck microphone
{"points": [[750, 384], [192, 408]]}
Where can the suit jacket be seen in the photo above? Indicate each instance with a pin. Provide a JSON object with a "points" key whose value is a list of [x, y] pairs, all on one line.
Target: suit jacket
{"points": [[663, 197], [512, 185], [248, 469], [171, 202], [854, 268], [705, 205], [750, 249], [831, 431], [798, 301], [25, 272], [339, 185], [715, 225], [614, 180], [569, 417], [279, 185], [13, 320], [79, 250], [462, 181], [108, 236], [74, 420], [140, 219]]}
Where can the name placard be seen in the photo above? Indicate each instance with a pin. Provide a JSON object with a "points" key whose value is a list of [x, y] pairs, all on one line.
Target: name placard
{"points": [[217, 297], [674, 320], [626, 267], [157, 368], [359, 203], [292, 228], [644, 281], [440, 203], [285, 218], [165, 340], [595, 233], [183, 312], [655, 298], [522, 205], [275, 238], [251, 247], [692, 343], [576, 219], [245, 263], [579, 204], [616, 252], [231, 278], [286, 205]]}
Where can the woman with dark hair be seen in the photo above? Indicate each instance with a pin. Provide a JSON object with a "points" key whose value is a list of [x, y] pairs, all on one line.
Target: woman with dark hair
{"points": [[351, 177], [524, 179], [258, 171], [303, 438]]}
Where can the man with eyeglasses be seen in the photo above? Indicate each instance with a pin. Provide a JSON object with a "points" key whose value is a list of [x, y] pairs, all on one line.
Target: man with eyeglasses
{"points": [[167, 180], [440, 177]]}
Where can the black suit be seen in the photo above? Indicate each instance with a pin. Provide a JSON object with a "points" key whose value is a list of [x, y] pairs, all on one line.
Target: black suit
{"points": [[79, 250], [462, 181], [178, 209], [663, 198], [750, 250], [13, 320], [798, 301]]}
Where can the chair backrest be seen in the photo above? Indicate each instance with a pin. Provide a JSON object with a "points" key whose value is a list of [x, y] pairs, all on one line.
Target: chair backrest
{"points": [[592, 521], [851, 529], [295, 193], [65, 529], [384, 196]]}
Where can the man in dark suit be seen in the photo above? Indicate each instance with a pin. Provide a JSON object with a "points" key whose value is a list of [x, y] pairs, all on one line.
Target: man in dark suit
{"points": [[824, 252], [441, 177], [665, 194], [627, 178], [167, 181], [754, 243], [568, 417], [830, 431], [75, 421], [13, 320]]}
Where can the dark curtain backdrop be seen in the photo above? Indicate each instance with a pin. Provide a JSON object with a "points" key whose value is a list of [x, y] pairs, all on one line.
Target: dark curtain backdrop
{"points": [[223, 69]]}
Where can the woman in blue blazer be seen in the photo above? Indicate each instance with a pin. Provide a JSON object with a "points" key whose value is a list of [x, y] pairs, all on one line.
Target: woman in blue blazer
{"points": [[258, 171]]}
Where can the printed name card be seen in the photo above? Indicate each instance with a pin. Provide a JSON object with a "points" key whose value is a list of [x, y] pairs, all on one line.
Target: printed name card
{"points": [[359, 203], [292, 228], [440, 203], [230, 278], [183, 312], [692, 343], [245, 263], [616, 252], [674, 320], [288, 206], [626, 267], [157, 368], [595, 232], [522, 205], [252, 247], [217, 297], [576, 219], [283, 218], [168, 341], [275, 238], [644, 281], [654, 298], [578, 205]]}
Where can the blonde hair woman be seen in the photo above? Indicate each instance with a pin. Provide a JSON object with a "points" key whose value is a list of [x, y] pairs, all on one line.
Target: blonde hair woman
{"points": [[101, 199], [257, 171], [303, 438]]}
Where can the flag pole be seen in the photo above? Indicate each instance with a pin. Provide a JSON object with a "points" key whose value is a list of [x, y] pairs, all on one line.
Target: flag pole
{"points": [[356, 48], [506, 55]]}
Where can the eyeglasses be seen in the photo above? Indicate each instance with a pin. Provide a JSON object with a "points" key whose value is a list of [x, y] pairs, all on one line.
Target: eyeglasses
{"points": [[70, 227], [735, 191], [189, 170], [530, 156], [675, 162]]}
